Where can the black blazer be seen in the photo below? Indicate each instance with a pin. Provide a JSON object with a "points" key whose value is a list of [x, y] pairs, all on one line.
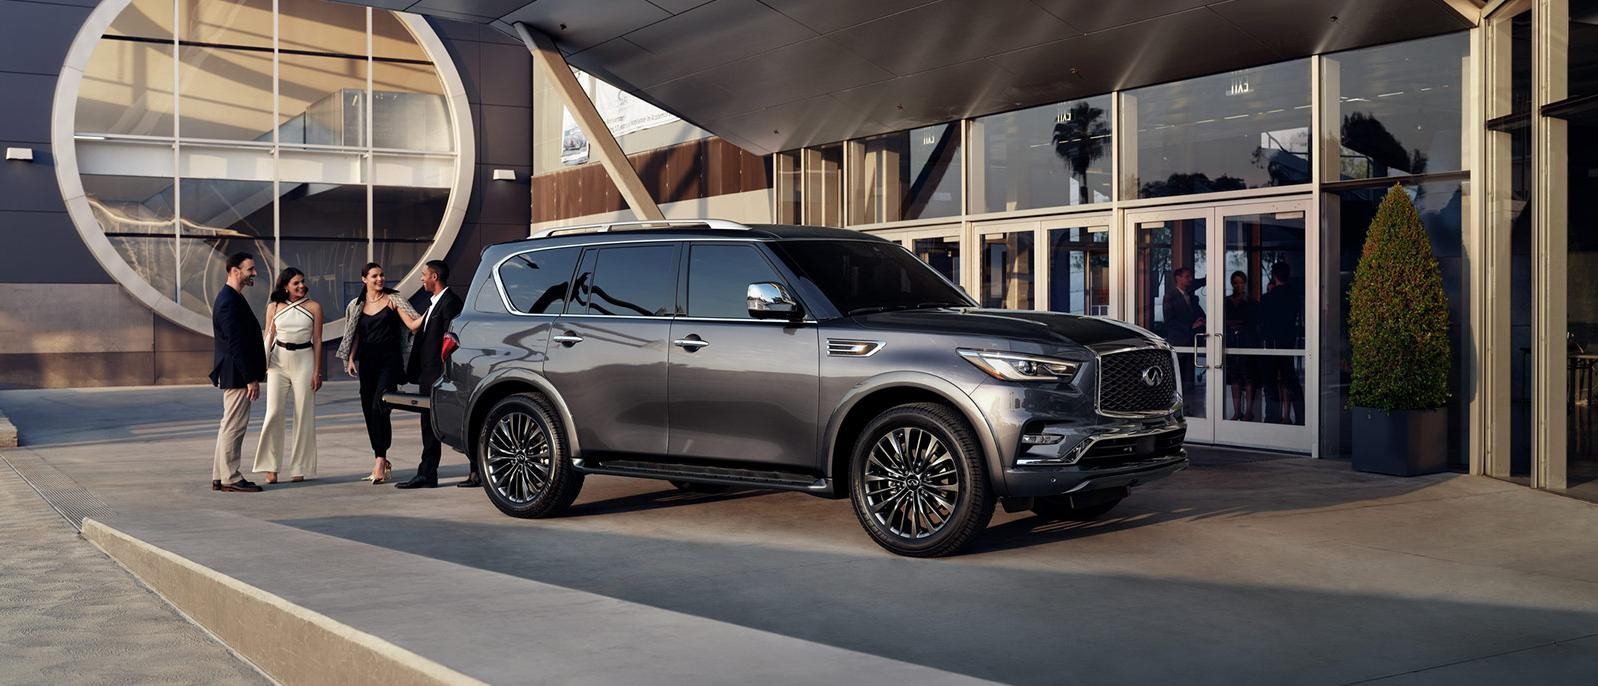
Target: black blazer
{"points": [[240, 353], [424, 367]]}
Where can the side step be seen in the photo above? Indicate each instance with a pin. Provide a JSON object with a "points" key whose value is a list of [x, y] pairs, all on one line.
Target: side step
{"points": [[710, 474], [410, 402]]}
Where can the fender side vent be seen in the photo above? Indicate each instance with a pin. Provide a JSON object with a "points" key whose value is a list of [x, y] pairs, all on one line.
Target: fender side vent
{"points": [[852, 347]]}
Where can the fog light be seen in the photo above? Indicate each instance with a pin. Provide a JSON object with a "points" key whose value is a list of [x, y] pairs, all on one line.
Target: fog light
{"points": [[1041, 439]]}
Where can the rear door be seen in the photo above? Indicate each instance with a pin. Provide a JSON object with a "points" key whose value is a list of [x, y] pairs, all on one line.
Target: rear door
{"points": [[607, 355], [740, 389]]}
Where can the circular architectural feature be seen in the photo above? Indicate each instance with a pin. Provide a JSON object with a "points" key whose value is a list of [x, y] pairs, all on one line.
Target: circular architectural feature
{"points": [[308, 133]]}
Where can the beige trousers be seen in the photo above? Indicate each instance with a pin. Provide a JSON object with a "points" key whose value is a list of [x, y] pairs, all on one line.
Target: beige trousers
{"points": [[230, 437], [290, 370]]}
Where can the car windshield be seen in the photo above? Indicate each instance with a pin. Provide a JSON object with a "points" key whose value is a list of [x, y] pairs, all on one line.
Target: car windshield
{"points": [[861, 277]]}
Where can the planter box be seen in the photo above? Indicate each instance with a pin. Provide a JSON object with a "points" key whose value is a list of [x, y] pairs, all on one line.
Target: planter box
{"points": [[1400, 443]]}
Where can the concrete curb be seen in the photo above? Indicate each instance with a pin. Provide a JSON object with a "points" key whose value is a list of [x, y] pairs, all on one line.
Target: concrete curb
{"points": [[291, 644], [8, 433]]}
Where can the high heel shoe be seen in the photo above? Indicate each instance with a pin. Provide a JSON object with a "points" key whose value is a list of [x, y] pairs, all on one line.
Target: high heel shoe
{"points": [[271, 477]]}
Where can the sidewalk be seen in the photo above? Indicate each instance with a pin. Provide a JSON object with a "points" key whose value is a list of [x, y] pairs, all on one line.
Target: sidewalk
{"points": [[70, 615]]}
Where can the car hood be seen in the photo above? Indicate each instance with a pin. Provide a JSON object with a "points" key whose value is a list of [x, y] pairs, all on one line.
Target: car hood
{"points": [[1048, 328]]}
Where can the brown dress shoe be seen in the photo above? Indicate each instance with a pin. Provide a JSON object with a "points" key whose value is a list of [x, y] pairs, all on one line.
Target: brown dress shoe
{"points": [[240, 486]]}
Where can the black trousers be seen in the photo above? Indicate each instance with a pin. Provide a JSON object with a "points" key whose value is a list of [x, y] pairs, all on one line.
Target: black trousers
{"points": [[378, 377], [432, 450]]}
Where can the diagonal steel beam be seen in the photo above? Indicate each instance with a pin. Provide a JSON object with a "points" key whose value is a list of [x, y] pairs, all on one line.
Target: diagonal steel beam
{"points": [[548, 58]]}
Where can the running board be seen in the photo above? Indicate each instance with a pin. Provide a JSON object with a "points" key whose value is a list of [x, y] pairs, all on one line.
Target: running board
{"points": [[708, 474]]}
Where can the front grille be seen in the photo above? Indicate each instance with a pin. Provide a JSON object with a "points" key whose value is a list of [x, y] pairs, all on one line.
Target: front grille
{"points": [[1124, 386], [1119, 451]]}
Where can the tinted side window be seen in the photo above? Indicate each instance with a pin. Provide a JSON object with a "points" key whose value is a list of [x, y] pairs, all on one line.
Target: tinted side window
{"points": [[633, 281], [719, 278], [537, 282]]}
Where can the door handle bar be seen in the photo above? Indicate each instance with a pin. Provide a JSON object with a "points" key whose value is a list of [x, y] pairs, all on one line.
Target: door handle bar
{"points": [[690, 344], [566, 339]]}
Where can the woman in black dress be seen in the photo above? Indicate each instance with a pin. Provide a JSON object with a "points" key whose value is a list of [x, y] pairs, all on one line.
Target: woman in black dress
{"points": [[1240, 369], [377, 339]]}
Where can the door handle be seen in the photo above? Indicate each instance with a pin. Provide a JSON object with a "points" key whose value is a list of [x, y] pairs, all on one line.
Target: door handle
{"points": [[567, 339], [690, 343]]}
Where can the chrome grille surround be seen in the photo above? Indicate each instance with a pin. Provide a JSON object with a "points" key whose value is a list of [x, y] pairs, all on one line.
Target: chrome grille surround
{"points": [[1122, 390]]}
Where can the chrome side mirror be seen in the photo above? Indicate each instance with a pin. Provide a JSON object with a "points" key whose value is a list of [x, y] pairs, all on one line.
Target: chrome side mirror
{"points": [[769, 300]]}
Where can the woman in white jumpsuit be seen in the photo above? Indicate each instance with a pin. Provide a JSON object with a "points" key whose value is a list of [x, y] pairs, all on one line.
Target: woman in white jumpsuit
{"points": [[293, 363]]}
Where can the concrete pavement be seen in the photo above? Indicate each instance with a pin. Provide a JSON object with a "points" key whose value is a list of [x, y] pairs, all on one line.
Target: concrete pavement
{"points": [[1244, 569]]}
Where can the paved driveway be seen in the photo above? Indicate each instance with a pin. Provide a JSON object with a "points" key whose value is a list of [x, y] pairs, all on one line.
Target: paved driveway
{"points": [[1244, 569]]}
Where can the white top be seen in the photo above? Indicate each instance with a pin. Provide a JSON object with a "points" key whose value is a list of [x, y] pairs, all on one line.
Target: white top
{"points": [[432, 303], [293, 322]]}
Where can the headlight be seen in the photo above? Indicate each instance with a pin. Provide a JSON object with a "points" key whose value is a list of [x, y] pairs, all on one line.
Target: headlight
{"points": [[1017, 367]]}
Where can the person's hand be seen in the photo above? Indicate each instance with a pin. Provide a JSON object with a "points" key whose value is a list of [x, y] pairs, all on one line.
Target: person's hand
{"points": [[316, 381], [349, 367], [254, 390]]}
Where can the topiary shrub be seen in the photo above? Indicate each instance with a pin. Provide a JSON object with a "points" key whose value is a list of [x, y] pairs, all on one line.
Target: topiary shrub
{"points": [[1398, 315]]}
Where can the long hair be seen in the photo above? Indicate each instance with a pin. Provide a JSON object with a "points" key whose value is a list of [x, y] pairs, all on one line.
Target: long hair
{"points": [[367, 270], [280, 292]]}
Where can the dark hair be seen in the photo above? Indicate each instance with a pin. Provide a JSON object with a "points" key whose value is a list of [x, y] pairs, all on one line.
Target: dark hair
{"points": [[440, 268], [367, 270], [238, 258], [369, 267], [280, 292], [1238, 274], [1282, 269], [1182, 270]]}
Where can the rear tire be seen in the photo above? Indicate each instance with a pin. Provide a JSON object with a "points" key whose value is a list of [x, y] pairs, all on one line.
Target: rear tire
{"points": [[1059, 507], [526, 466], [919, 482]]}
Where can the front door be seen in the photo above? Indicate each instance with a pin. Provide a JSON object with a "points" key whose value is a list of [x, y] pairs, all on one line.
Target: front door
{"points": [[1227, 286], [740, 389]]}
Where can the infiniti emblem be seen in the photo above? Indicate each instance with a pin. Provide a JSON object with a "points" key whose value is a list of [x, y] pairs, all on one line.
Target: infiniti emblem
{"points": [[1153, 376]]}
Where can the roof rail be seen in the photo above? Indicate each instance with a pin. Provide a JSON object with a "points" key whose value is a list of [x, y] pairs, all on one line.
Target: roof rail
{"points": [[638, 225]]}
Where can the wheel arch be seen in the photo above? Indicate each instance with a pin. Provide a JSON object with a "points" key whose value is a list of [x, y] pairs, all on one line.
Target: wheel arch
{"points": [[869, 399], [505, 384]]}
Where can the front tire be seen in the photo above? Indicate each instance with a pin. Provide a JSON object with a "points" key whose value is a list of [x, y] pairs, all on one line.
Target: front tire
{"points": [[526, 466], [918, 481]]}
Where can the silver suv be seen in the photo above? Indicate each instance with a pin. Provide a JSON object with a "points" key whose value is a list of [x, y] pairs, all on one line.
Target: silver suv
{"points": [[716, 355]]}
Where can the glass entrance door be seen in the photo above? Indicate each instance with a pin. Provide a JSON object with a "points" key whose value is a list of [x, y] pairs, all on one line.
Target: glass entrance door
{"points": [[1226, 287]]}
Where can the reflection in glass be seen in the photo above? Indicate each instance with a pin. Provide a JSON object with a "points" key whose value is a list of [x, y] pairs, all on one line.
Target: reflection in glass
{"points": [[227, 22], [1267, 251], [1243, 129], [1007, 270], [1047, 156], [226, 94], [321, 210], [1581, 467], [1194, 370], [321, 100], [202, 265], [789, 190], [144, 19], [403, 223], [332, 269], [127, 89], [322, 26], [226, 208], [1171, 278], [392, 40], [1264, 388], [823, 189], [907, 175], [1582, 53], [137, 217], [942, 254], [409, 112], [1399, 107], [1079, 271]]}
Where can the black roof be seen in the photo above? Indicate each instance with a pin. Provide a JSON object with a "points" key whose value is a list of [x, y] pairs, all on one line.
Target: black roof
{"points": [[755, 231]]}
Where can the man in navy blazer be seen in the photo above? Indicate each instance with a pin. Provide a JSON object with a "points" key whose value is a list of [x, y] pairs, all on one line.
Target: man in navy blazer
{"points": [[426, 365], [239, 367]]}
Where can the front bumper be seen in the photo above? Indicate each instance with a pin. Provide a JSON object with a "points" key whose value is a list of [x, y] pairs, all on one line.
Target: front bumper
{"points": [[1034, 482]]}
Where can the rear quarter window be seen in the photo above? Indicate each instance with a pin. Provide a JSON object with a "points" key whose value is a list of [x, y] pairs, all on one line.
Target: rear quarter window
{"points": [[538, 282]]}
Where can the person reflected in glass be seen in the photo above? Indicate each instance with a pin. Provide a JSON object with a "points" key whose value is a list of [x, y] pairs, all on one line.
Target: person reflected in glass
{"points": [[1281, 317], [1240, 333], [293, 363], [377, 336], [1184, 319]]}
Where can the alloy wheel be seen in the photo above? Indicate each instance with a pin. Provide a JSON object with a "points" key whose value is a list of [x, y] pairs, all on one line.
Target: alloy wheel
{"points": [[912, 482], [519, 460]]}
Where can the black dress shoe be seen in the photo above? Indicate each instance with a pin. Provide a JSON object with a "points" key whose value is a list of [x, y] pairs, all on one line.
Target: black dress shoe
{"points": [[240, 486], [470, 482], [418, 481]]}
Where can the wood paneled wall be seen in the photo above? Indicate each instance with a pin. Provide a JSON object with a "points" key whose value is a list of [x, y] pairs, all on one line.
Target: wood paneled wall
{"points": [[687, 171]]}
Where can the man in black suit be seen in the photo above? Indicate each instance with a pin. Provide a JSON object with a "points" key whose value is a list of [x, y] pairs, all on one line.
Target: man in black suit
{"points": [[425, 366], [238, 368]]}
